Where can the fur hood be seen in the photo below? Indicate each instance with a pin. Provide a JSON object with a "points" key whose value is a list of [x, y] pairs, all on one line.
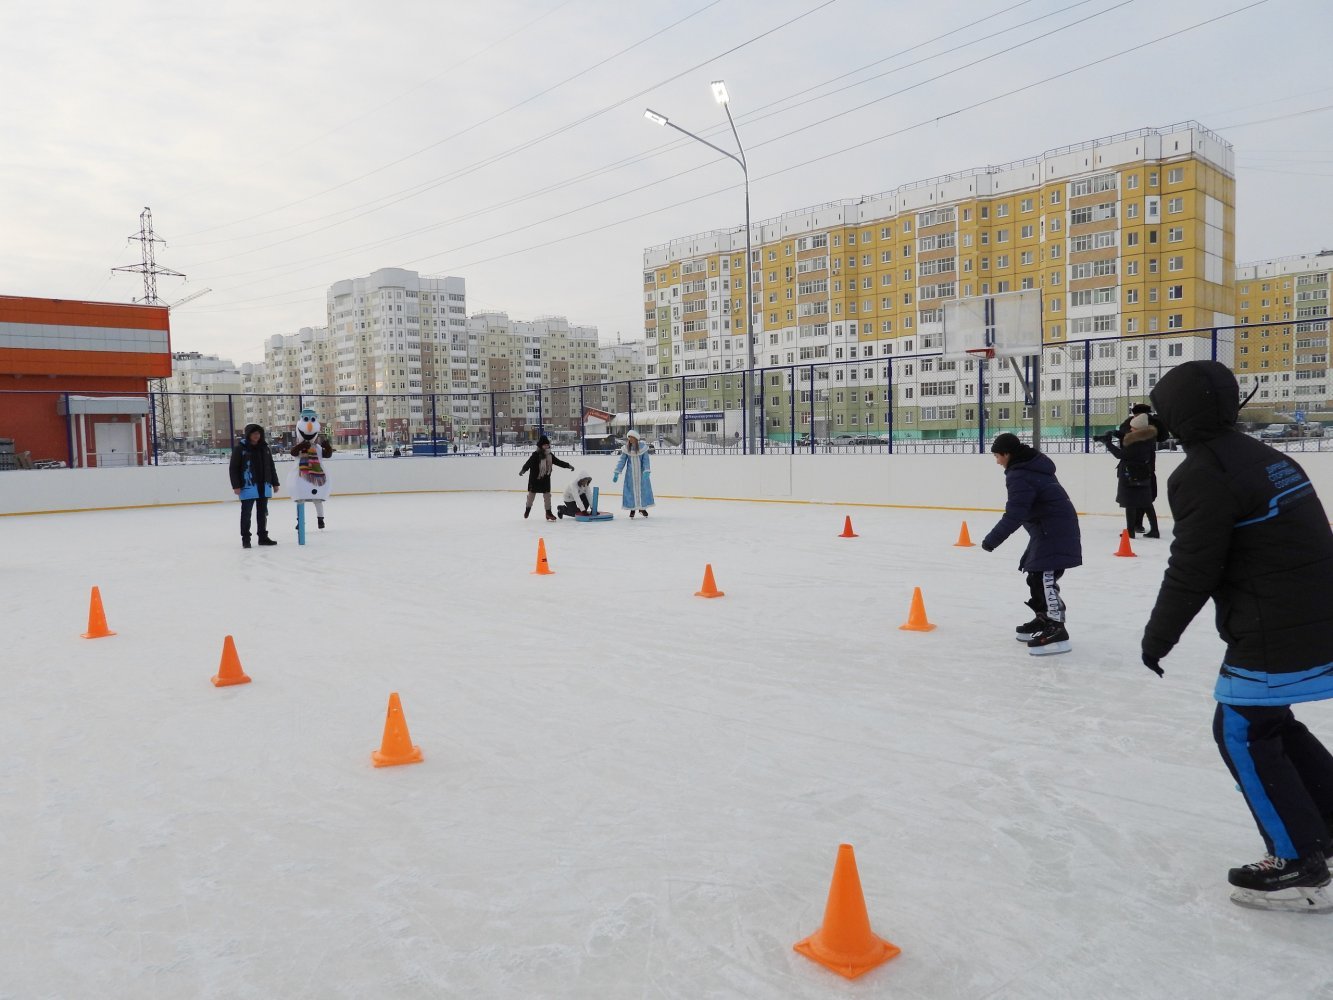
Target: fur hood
{"points": [[1148, 433]]}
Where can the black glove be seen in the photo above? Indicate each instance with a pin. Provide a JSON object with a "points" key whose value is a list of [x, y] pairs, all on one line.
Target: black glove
{"points": [[987, 547], [1153, 663]]}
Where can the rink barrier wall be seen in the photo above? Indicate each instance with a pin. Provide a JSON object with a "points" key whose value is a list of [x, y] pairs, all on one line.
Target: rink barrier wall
{"points": [[942, 482]]}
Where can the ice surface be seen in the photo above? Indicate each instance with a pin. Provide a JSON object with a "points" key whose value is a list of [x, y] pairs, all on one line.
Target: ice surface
{"points": [[627, 791]]}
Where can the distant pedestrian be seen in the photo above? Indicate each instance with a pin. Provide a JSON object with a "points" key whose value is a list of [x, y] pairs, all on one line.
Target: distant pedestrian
{"points": [[1136, 474], [538, 470], [637, 493], [1038, 503], [254, 479], [1251, 534]]}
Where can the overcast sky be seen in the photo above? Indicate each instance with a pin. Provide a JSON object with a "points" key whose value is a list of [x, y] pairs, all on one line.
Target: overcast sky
{"points": [[283, 146]]}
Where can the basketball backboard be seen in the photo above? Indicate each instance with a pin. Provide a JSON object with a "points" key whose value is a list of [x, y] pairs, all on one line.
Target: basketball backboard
{"points": [[1007, 325]]}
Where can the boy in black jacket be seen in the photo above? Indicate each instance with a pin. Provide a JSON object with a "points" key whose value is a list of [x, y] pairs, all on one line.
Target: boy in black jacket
{"points": [[254, 479], [1251, 534]]}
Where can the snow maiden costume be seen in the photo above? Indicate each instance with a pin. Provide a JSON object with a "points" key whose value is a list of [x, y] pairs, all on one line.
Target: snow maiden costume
{"points": [[638, 491], [312, 482]]}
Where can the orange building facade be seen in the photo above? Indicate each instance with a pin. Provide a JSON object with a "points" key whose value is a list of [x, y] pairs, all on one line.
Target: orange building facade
{"points": [[74, 379]]}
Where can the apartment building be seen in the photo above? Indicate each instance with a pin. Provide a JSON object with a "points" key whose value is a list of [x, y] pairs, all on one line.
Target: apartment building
{"points": [[1128, 235], [1284, 305], [399, 338], [200, 404], [527, 363]]}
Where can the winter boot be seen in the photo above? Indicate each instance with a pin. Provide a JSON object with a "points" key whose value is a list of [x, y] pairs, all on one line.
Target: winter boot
{"points": [[644, 513], [265, 540], [632, 513], [1025, 632], [1051, 639], [1283, 884], [321, 523], [245, 541], [1152, 534]]}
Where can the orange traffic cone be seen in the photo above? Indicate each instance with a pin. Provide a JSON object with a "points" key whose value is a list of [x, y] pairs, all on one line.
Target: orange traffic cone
{"points": [[846, 943], [710, 588], [96, 618], [916, 615], [964, 539], [1124, 549], [396, 747], [847, 531], [543, 567], [229, 670]]}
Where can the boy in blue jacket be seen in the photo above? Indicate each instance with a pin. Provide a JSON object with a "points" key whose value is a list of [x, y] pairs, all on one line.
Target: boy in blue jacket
{"points": [[1037, 502]]}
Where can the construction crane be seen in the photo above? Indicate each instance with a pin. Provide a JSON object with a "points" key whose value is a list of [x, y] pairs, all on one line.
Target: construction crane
{"points": [[159, 386], [189, 298]]}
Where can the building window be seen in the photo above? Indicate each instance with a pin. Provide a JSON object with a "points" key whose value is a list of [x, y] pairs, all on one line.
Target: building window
{"points": [[1175, 175]]}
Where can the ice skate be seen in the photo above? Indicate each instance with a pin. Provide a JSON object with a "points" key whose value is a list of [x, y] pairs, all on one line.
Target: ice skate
{"points": [[265, 540], [550, 516], [644, 513], [1025, 632], [1050, 640], [526, 512], [632, 513], [1283, 884], [320, 522]]}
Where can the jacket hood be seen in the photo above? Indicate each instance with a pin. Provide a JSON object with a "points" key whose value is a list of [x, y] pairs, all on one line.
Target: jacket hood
{"points": [[1197, 400], [1148, 433], [250, 429], [1038, 463]]}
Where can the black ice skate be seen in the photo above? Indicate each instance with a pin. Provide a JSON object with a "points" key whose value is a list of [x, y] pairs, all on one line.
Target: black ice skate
{"points": [[632, 513], [644, 513], [245, 541], [265, 540], [1283, 884], [1025, 632], [1050, 640], [526, 512], [550, 516], [321, 523]]}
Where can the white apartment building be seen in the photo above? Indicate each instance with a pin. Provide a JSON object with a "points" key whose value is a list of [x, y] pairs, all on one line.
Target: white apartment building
{"points": [[199, 406]]}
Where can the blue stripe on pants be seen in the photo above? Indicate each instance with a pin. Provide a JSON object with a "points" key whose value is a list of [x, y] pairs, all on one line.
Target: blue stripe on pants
{"points": [[1236, 735]]}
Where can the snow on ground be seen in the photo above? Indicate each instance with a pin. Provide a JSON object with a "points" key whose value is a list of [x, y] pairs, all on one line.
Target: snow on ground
{"points": [[627, 791]]}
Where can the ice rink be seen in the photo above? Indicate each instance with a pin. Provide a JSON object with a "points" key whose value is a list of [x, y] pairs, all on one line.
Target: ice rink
{"points": [[627, 791]]}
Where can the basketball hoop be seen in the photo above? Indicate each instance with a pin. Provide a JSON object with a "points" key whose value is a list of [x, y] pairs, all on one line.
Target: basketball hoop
{"points": [[983, 353]]}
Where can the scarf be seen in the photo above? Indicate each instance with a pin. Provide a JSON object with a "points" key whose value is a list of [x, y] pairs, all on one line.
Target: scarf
{"points": [[309, 466]]}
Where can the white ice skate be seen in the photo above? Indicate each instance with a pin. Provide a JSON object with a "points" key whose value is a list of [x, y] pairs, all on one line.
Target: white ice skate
{"points": [[1294, 900]]}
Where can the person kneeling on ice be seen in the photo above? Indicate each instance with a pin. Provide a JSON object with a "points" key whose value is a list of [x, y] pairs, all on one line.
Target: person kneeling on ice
{"points": [[578, 496], [638, 491], [1251, 534], [312, 482], [1036, 501]]}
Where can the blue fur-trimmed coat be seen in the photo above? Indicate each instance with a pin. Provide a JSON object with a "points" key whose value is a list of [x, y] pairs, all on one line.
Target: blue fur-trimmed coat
{"points": [[637, 493]]}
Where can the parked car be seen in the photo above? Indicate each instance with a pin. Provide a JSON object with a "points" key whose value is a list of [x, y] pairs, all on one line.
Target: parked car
{"points": [[1274, 431], [867, 439]]}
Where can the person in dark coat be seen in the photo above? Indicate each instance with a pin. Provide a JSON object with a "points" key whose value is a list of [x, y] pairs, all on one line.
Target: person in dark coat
{"points": [[254, 479], [1251, 534], [1157, 424], [1136, 474], [538, 470], [1038, 503]]}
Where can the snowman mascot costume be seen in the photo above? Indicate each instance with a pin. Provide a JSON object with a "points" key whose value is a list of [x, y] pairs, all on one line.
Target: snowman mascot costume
{"points": [[312, 482]]}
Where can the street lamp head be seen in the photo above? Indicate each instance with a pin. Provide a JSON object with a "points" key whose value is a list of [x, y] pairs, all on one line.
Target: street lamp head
{"points": [[720, 92], [653, 116]]}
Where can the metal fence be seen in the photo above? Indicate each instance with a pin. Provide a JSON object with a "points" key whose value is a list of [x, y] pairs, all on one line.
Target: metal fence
{"points": [[917, 403]]}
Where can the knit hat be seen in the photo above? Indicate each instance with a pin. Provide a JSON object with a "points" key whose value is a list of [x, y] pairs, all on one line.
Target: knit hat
{"points": [[1140, 408], [543, 440], [1006, 444], [632, 433], [1139, 421]]}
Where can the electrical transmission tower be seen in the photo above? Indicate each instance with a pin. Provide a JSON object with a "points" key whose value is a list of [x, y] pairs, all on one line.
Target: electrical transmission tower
{"points": [[150, 269]]}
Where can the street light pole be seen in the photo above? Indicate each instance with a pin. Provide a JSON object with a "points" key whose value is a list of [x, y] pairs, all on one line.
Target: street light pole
{"points": [[722, 98]]}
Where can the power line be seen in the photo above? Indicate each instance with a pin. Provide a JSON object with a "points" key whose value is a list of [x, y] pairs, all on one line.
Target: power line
{"points": [[753, 116], [528, 144], [839, 152]]}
